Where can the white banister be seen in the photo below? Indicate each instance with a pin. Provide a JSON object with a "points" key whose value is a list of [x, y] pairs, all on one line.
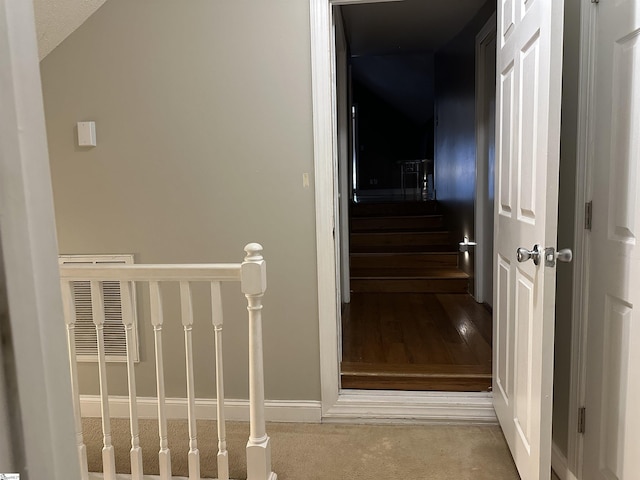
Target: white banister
{"points": [[254, 284], [251, 274], [126, 294], [217, 319], [187, 321], [97, 310], [164, 455], [69, 309]]}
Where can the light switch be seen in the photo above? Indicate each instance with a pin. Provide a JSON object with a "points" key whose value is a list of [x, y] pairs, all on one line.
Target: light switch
{"points": [[87, 134]]}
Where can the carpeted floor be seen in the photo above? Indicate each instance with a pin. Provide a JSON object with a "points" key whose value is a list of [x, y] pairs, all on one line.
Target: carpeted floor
{"points": [[325, 451]]}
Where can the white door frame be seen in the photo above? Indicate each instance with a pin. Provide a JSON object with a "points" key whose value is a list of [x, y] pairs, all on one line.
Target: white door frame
{"points": [[348, 405], [43, 437], [481, 257], [582, 248]]}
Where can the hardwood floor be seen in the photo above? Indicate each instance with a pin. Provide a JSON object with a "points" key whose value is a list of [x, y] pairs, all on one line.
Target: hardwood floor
{"points": [[416, 341]]}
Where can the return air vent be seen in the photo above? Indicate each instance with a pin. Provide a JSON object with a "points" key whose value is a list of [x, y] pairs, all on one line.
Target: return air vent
{"points": [[114, 332]]}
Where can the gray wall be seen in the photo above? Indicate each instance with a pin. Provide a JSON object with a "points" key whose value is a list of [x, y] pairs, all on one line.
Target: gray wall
{"points": [[204, 130], [566, 217], [455, 142]]}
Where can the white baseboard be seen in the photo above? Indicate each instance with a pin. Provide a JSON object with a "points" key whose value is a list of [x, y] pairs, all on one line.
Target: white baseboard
{"points": [[560, 465], [306, 411], [358, 406]]}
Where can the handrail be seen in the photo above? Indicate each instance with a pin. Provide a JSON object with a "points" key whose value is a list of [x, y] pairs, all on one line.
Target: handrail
{"points": [[152, 273]]}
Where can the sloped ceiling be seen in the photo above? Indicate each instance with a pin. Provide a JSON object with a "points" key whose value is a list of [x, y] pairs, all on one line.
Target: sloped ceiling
{"points": [[57, 19]]}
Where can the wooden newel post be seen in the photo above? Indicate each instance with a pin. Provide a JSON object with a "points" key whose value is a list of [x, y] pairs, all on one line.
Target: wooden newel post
{"points": [[254, 284]]}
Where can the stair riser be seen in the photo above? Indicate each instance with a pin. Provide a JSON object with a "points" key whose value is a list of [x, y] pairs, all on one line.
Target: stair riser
{"points": [[426, 239], [444, 285], [390, 249], [414, 261], [399, 208], [394, 273], [454, 384], [381, 224]]}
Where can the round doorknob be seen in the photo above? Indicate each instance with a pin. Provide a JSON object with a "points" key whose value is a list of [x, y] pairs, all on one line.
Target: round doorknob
{"points": [[522, 254], [564, 255]]}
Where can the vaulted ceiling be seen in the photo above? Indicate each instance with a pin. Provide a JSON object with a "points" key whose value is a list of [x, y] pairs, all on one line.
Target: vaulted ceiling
{"points": [[57, 19]]}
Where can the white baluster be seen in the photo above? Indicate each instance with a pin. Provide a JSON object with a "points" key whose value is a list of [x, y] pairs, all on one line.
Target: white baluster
{"points": [[187, 322], [97, 308], [217, 319], [254, 284], [164, 455], [69, 308], [126, 294]]}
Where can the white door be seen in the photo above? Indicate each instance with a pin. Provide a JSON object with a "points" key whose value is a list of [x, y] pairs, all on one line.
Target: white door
{"points": [[612, 427], [529, 78]]}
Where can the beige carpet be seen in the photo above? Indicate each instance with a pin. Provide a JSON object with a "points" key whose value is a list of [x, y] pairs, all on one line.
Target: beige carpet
{"points": [[325, 451]]}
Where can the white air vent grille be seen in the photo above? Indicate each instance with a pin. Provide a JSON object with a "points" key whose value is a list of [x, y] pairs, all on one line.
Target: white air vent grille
{"points": [[114, 332]]}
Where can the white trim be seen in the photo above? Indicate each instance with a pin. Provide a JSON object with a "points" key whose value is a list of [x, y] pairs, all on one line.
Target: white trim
{"points": [[358, 406], [559, 464], [307, 411], [584, 161], [324, 141], [351, 406], [485, 35], [343, 123], [36, 352]]}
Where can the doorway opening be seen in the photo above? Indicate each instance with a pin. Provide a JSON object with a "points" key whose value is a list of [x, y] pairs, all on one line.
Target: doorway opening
{"points": [[412, 119]]}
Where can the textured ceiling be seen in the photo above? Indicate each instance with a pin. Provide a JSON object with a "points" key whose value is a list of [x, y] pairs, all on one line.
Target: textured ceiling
{"points": [[57, 19], [408, 26]]}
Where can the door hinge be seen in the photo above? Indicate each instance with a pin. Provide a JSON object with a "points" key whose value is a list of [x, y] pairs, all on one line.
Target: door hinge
{"points": [[581, 419], [588, 215], [595, 1]]}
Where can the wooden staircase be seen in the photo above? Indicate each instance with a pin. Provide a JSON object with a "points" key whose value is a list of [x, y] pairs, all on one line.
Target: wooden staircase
{"points": [[411, 324], [403, 247]]}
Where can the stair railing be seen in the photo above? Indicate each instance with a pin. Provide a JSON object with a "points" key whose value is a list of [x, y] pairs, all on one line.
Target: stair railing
{"points": [[251, 274]]}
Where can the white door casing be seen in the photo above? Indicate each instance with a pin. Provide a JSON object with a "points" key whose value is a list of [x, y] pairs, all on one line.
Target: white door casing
{"points": [[485, 160], [348, 405], [42, 435], [529, 79], [613, 334]]}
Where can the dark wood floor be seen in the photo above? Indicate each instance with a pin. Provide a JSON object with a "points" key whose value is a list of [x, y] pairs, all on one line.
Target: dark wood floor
{"points": [[416, 341]]}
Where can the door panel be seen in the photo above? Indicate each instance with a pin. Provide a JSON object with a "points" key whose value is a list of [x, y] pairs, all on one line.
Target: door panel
{"points": [[527, 154], [613, 334]]}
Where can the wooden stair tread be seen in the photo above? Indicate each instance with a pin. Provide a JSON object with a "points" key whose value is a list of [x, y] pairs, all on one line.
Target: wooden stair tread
{"points": [[399, 234], [415, 370], [394, 208], [403, 259], [404, 223], [409, 285], [395, 249], [402, 239], [417, 273], [435, 377], [411, 216]]}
